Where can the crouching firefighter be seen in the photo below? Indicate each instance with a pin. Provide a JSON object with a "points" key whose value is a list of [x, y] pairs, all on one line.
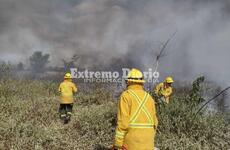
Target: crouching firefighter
{"points": [[136, 116], [67, 88], [163, 91]]}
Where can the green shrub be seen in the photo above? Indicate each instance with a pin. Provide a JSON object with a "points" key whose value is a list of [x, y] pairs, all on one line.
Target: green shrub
{"points": [[29, 120]]}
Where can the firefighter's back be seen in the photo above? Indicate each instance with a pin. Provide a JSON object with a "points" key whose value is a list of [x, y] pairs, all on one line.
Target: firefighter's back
{"points": [[67, 88], [143, 121]]}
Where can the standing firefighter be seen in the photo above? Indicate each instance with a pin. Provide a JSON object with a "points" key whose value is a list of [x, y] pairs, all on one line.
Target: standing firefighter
{"points": [[136, 117], [67, 89], [164, 90]]}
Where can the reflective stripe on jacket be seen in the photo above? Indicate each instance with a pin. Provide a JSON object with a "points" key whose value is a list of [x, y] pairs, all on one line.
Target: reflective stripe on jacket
{"points": [[136, 119]]}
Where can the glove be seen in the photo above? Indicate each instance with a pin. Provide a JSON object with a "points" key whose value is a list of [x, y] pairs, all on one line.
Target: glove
{"points": [[124, 148], [117, 148]]}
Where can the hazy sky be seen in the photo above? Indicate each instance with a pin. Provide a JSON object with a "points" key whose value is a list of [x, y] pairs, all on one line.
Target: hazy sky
{"points": [[121, 33]]}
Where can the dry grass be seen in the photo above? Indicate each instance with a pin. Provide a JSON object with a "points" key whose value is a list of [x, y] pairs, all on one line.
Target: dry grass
{"points": [[29, 121]]}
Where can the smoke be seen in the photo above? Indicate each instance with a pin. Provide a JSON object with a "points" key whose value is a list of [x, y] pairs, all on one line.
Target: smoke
{"points": [[117, 33]]}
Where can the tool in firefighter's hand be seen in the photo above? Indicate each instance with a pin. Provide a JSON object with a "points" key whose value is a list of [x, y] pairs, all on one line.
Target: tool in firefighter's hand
{"points": [[122, 148], [161, 54]]}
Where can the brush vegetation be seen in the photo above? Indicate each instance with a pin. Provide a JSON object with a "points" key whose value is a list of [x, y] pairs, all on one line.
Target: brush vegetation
{"points": [[29, 120]]}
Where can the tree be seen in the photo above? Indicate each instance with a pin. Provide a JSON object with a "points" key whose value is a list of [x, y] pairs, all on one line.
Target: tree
{"points": [[5, 70], [196, 92], [70, 64], [20, 66], [38, 61]]}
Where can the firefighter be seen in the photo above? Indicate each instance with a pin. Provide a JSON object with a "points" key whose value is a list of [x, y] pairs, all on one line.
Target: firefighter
{"points": [[136, 116], [164, 90], [67, 88]]}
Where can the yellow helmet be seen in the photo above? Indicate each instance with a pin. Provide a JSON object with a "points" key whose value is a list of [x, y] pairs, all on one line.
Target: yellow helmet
{"points": [[135, 75], [68, 76], [169, 80]]}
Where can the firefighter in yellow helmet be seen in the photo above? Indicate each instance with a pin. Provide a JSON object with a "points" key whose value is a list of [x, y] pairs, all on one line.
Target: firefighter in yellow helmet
{"points": [[164, 90], [136, 116], [67, 88]]}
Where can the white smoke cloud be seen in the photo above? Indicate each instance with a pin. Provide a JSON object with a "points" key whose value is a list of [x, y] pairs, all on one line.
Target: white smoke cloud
{"points": [[121, 33]]}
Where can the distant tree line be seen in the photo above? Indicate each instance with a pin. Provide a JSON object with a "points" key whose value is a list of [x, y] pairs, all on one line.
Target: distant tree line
{"points": [[38, 66]]}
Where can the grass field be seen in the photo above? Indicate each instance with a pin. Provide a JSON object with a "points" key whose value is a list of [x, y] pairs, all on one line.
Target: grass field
{"points": [[29, 120]]}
